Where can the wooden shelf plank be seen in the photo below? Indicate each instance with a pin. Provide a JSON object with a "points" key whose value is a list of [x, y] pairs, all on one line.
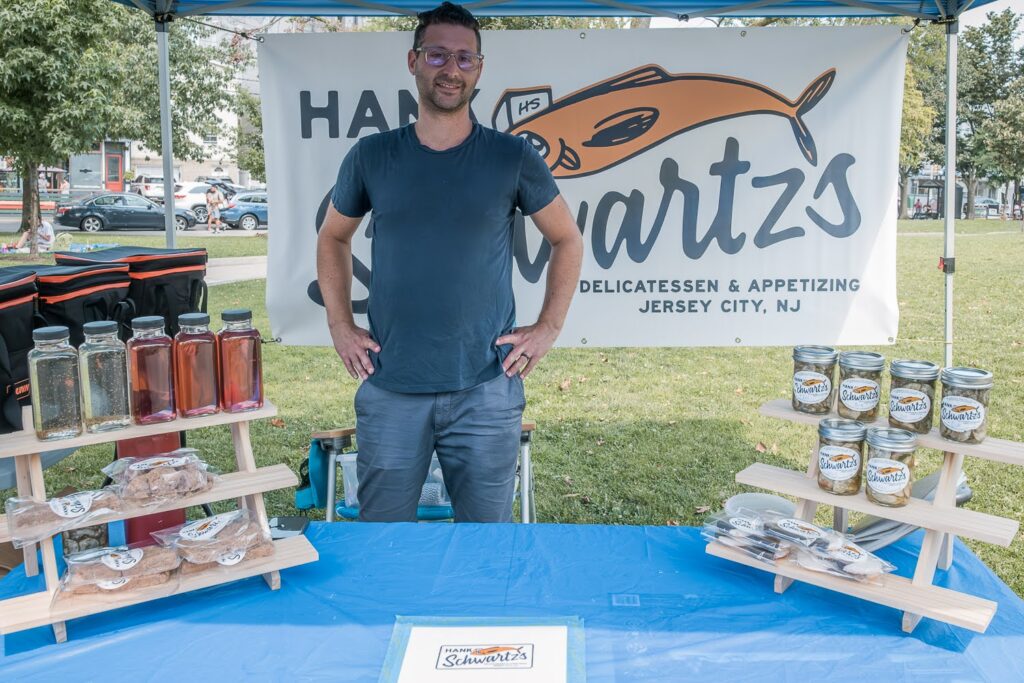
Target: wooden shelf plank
{"points": [[33, 610], [969, 523], [25, 441], [230, 485], [998, 450], [893, 591]]}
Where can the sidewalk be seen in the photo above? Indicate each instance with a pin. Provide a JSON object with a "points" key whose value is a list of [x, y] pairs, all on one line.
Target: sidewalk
{"points": [[221, 271]]}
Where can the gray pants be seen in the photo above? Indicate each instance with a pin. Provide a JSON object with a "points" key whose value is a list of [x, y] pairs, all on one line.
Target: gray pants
{"points": [[475, 433]]}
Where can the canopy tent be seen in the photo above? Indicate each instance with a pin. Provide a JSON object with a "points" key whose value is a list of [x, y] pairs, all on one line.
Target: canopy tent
{"points": [[944, 12]]}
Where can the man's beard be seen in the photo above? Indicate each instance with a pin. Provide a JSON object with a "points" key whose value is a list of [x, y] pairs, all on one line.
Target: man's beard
{"points": [[431, 93]]}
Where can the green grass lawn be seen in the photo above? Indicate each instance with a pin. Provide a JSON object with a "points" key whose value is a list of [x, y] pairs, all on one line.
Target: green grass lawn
{"points": [[217, 246], [654, 436]]}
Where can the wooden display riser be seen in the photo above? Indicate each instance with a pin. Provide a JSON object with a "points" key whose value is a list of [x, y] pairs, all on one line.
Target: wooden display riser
{"points": [[941, 519], [40, 609], [247, 485]]}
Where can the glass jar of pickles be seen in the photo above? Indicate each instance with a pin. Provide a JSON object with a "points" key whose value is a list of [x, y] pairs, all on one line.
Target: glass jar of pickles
{"points": [[889, 470], [840, 455], [912, 394], [814, 379], [860, 379], [964, 410]]}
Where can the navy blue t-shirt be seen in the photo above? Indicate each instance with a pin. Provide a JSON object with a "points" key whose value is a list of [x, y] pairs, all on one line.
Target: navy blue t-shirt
{"points": [[441, 264]]}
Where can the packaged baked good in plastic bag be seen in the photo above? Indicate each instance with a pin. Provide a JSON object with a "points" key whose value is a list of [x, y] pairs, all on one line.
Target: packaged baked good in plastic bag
{"points": [[848, 561], [745, 531], [161, 478], [132, 567], [799, 533], [219, 539], [230, 559], [31, 520]]}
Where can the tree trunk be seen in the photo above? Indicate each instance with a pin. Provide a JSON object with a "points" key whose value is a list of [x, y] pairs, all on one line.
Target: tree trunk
{"points": [[972, 191], [30, 203], [904, 211]]}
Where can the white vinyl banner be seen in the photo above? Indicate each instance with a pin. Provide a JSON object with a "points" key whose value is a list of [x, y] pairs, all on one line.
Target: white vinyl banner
{"points": [[733, 187]]}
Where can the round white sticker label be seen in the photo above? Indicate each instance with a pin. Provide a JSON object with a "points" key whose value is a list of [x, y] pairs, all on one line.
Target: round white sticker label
{"points": [[887, 476], [800, 528], [909, 405], [848, 553], [961, 414], [811, 387], [113, 584], [838, 463], [120, 560], [859, 394], [744, 523], [160, 461], [231, 559], [75, 505], [208, 528]]}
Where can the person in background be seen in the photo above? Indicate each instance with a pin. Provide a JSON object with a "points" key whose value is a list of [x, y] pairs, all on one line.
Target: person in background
{"points": [[44, 237], [65, 188], [214, 202]]}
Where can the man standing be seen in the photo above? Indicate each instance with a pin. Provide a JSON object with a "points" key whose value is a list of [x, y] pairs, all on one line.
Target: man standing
{"points": [[443, 361]]}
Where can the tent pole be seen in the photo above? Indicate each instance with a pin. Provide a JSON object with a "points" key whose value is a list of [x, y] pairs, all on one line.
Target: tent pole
{"points": [[166, 146], [949, 262]]}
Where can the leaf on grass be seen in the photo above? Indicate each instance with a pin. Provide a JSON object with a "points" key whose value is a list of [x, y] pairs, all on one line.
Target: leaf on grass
{"points": [[585, 500], [760, 447], [567, 479], [739, 390], [671, 422], [581, 380], [702, 510], [671, 522], [570, 495], [566, 383], [774, 449], [590, 452], [600, 442], [277, 422]]}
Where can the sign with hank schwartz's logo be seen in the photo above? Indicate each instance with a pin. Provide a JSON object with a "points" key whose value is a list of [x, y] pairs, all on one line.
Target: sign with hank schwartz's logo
{"points": [[491, 656], [732, 186]]}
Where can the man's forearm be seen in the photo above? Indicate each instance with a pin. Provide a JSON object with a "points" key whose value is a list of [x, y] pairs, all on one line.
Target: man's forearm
{"points": [[334, 275], [563, 276]]}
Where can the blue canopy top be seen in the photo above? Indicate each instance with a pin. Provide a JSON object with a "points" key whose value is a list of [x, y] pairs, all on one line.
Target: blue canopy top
{"points": [[928, 10]]}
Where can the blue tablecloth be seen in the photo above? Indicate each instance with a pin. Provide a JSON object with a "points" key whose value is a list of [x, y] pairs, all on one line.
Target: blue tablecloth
{"points": [[655, 607]]}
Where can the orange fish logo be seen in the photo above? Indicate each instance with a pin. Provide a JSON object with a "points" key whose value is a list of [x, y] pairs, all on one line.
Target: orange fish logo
{"points": [[812, 382], [841, 457], [963, 409], [605, 124], [483, 652]]}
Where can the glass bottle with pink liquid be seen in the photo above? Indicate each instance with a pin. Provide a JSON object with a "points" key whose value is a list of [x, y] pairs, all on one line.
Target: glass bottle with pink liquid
{"points": [[195, 366], [150, 371], [241, 366]]}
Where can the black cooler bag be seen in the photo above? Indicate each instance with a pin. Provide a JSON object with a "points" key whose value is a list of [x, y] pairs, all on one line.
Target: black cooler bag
{"points": [[17, 320], [166, 282], [75, 295]]}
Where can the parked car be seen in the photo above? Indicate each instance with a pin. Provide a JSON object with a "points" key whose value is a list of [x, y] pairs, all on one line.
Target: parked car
{"points": [[192, 196], [985, 207], [150, 187], [247, 210], [113, 210]]}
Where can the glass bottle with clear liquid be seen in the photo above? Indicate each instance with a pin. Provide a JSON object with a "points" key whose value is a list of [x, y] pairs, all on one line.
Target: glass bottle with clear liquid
{"points": [[241, 365], [150, 372], [103, 366], [53, 376], [195, 366]]}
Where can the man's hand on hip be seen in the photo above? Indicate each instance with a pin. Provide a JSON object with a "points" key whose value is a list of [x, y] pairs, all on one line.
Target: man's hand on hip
{"points": [[352, 344], [529, 345]]}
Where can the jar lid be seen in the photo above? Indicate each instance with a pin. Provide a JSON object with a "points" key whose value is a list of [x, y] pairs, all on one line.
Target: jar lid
{"points": [[967, 378], [52, 333], [814, 354], [862, 360], [892, 439], [921, 370], [839, 429], [194, 319], [100, 327], [235, 315], [148, 322]]}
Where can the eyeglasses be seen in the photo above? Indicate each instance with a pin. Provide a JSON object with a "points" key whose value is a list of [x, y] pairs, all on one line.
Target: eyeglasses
{"points": [[438, 56]]}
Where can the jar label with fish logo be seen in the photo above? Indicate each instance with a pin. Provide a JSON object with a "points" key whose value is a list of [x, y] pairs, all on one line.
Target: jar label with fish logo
{"points": [[745, 524], [231, 559], [207, 528], [838, 463], [800, 528], [859, 394], [887, 476], [909, 405], [152, 463], [113, 584], [75, 505], [811, 387], [961, 414], [120, 560]]}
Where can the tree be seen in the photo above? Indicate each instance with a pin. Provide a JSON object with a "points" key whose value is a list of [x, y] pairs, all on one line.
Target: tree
{"points": [[73, 72], [1004, 140], [248, 137], [918, 118]]}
